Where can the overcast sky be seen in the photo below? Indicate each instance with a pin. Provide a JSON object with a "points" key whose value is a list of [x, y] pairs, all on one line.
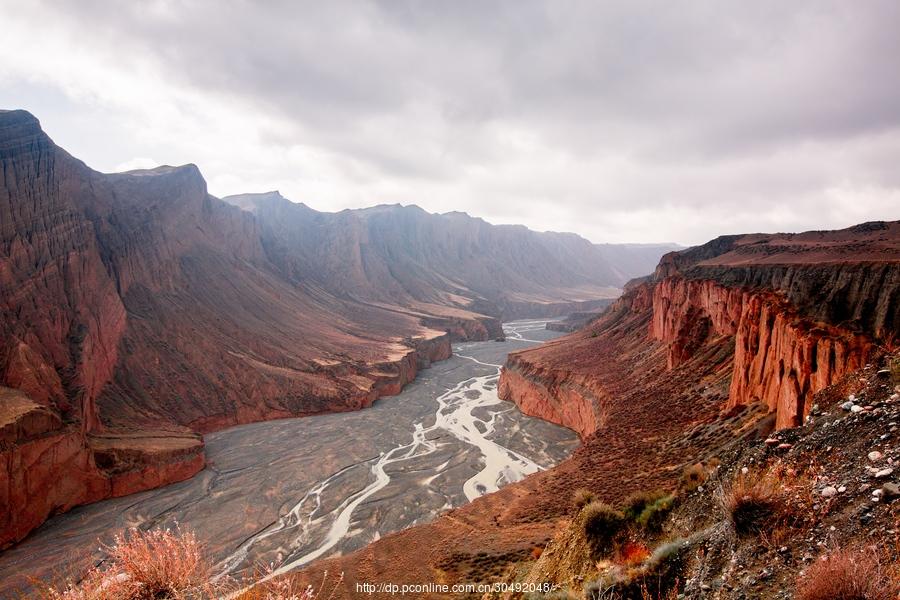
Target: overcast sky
{"points": [[622, 121]]}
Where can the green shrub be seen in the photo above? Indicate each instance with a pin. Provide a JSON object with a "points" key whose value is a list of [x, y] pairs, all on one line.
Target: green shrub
{"points": [[653, 515], [635, 503], [601, 523]]}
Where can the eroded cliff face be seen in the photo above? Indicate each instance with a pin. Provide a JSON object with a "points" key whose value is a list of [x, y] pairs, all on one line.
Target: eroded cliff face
{"points": [[780, 358], [557, 396], [48, 466], [666, 377], [62, 317], [802, 310], [136, 309]]}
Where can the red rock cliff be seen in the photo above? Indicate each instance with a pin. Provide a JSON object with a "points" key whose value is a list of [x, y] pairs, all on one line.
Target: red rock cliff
{"points": [[801, 311], [780, 358]]}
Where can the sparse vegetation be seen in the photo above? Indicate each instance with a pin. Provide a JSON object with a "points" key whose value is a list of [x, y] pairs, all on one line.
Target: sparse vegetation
{"points": [[169, 564], [753, 501], [653, 515], [693, 477], [657, 577], [601, 523], [144, 565], [848, 575], [635, 503], [582, 497]]}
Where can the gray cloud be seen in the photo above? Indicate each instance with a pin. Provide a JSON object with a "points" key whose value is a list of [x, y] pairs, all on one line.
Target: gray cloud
{"points": [[621, 121]]}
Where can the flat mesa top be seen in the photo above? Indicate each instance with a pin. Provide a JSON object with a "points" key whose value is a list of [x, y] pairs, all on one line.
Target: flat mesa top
{"points": [[869, 242]]}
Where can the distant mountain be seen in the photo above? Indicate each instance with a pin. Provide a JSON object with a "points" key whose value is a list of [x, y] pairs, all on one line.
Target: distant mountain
{"points": [[137, 310], [403, 254]]}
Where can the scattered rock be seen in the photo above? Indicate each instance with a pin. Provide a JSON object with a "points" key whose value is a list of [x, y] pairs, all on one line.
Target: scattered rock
{"points": [[828, 491], [875, 455], [890, 492], [884, 473], [856, 408]]}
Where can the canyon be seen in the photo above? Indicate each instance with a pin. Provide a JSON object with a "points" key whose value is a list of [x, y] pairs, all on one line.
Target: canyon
{"points": [[138, 312], [148, 326], [725, 343], [304, 490]]}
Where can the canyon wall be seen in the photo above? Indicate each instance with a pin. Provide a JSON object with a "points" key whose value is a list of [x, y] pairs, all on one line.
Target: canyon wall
{"points": [[138, 311], [802, 310], [780, 357], [557, 396]]}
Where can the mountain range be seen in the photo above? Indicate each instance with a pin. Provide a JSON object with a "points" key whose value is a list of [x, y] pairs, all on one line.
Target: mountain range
{"points": [[138, 311]]}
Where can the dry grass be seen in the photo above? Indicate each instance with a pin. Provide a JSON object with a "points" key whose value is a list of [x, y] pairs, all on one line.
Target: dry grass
{"points": [[168, 564], [289, 588], [143, 565], [693, 477], [582, 497], [854, 574], [756, 501], [601, 523]]}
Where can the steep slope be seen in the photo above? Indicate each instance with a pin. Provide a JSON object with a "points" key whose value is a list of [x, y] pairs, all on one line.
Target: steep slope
{"points": [[724, 344], [138, 311], [403, 255]]}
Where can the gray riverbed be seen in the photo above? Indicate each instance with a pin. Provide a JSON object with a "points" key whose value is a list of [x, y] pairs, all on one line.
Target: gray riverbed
{"points": [[294, 490]]}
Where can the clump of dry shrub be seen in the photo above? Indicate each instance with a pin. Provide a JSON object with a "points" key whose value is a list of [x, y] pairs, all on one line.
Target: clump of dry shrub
{"points": [[582, 497], [693, 477], [756, 500], [166, 564], [848, 574], [658, 576], [601, 524], [144, 565]]}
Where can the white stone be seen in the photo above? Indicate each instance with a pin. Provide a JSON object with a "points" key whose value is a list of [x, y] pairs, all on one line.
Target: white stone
{"points": [[875, 455], [828, 491]]}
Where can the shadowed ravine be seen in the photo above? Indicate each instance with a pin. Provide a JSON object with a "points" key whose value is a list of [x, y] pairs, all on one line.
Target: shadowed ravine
{"points": [[302, 489]]}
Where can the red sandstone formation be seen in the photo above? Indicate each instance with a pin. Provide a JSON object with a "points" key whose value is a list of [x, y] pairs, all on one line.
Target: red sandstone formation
{"points": [[802, 311], [726, 342], [137, 310]]}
